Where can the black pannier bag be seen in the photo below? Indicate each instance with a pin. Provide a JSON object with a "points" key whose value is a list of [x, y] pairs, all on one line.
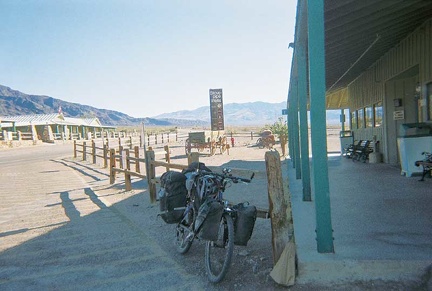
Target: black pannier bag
{"points": [[172, 194], [244, 223], [193, 167], [208, 219]]}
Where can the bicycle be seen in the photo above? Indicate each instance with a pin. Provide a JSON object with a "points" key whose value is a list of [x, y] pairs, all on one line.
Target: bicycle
{"points": [[204, 186]]}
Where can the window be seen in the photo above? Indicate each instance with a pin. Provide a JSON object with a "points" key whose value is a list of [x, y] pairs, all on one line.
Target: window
{"points": [[378, 114], [369, 116], [354, 120], [360, 118]]}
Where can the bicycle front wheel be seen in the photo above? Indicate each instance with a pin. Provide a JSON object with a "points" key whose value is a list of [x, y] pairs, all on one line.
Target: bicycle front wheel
{"points": [[218, 253]]}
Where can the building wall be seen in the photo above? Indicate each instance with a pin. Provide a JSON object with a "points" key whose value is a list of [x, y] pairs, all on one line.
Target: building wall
{"points": [[399, 69]]}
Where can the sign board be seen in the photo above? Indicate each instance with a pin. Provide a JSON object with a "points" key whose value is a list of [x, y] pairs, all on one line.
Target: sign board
{"points": [[216, 110], [284, 111], [398, 115]]}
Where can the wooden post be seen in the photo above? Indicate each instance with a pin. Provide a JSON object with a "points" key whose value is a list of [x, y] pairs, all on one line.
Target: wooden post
{"points": [[130, 142], [107, 141], [84, 153], [151, 174], [74, 149], [94, 151], [148, 139], [105, 155], [128, 183], [155, 138], [162, 138], [112, 165], [193, 157], [168, 136], [121, 157], [137, 163], [279, 207], [167, 156], [176, 135], [119, 140], [251, 135]]}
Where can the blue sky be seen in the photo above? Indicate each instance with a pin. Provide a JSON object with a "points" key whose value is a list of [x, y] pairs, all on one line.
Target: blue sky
{"points": [[144, 57]]}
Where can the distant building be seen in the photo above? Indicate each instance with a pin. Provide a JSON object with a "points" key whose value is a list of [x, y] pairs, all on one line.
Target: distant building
{"points": [[50, 127]]}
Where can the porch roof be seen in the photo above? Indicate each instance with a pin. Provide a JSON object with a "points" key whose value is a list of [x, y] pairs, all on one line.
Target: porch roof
{"points": [[357, 34]]}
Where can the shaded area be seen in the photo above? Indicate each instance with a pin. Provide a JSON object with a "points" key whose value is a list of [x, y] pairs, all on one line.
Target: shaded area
{"points": [[382, 222]]}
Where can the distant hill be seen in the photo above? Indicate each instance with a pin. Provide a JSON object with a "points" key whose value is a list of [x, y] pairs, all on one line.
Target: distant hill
{"points": [[252, 113]]}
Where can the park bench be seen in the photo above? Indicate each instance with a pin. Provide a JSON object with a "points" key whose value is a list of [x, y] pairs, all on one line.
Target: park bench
{"points": [[426, 164], [362, 151], [350, 150]]}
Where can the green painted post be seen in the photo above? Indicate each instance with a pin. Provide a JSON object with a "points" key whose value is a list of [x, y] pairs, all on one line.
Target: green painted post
{"points": [[304, 135], [295, 123], [290, 129], [315, 10]]}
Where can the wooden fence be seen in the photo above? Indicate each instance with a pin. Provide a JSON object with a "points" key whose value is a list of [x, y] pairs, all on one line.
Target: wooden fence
{"points": [[279, 210], [124, 166]]}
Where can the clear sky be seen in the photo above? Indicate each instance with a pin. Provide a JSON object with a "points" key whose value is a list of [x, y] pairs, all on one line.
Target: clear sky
{"points": [[147, 57]]}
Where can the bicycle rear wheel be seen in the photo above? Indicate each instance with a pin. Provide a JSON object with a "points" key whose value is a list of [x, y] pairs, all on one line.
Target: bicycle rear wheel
{"points": [[218, 253], [184, 234]]}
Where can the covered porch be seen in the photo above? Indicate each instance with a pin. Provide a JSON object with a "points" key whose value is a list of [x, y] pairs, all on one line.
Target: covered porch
{"points": [[361, 221]]}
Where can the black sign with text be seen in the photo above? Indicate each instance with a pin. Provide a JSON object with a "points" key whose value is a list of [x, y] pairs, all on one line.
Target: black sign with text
{"points": [[216, 109]]}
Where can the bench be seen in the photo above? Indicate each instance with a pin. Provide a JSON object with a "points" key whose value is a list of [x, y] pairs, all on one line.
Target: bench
{"points": [[350, 150], [362, 151], [426, 164]]}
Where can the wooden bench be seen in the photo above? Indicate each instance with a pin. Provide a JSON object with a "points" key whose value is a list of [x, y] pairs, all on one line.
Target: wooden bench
{"points": [[363, 150]]}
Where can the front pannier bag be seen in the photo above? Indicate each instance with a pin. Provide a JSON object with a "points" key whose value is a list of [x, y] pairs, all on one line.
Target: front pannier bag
{"points": [[244, 223], [172, 195], [208, 219]]}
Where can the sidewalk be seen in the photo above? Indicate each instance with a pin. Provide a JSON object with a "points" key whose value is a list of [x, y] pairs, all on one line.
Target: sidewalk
{"points": [[382, 225]]}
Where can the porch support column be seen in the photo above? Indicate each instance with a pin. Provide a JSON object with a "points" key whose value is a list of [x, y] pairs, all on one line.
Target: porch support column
{"points": [[290, 128], [295, 124], [304, 132], [317, 91]]}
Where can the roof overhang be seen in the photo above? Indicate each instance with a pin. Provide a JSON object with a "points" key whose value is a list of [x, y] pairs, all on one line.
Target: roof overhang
{"points": [[357, 34]]}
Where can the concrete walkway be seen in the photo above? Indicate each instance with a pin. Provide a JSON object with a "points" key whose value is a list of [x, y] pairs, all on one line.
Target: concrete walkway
{"points": [[57, 234], [382, 225]]}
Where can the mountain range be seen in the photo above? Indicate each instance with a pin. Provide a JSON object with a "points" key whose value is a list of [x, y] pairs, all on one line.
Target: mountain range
{"points": [[13, 102]]}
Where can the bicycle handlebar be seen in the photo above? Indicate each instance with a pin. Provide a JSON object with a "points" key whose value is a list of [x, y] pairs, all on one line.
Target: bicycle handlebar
{"points": [[226, 176]]}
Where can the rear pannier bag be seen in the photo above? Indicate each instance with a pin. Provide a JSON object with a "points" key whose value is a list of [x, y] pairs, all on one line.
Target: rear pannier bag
{"points": [[172, 194], [244, 223], [208, 219]]}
